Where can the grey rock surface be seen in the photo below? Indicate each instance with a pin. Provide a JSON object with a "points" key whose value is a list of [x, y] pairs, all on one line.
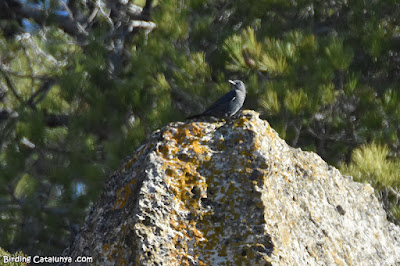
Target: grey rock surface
{"points": [[228, 104], [234, 194]]}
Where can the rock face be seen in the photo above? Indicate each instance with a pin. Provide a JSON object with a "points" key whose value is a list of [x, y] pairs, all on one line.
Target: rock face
{"points": [[234, 193]]}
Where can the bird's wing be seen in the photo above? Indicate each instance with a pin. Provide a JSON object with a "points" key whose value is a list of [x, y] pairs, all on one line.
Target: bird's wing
{"points": [[221, 104]]}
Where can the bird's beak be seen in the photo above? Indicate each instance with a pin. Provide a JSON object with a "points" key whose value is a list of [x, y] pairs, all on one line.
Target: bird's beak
{"points": [[231, 82]]}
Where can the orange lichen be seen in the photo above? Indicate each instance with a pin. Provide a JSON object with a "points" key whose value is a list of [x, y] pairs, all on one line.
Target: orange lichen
{"points": [[192, 226], [129, 164], [186, 184], [202, 263], [104, 249], [167, 135], [116, 250], [241, 122], [197, 148], [123, 194]]}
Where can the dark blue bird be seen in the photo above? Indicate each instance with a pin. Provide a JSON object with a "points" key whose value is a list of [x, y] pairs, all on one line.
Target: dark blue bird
{"points": [[229, 104]]}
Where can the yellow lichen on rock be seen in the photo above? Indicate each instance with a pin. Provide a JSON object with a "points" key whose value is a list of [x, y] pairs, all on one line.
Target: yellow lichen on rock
{"points": [[187, 185], [123, 194]]}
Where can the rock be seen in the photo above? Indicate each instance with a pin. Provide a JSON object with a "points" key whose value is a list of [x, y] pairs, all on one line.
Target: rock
{"points": [[234, 194]]}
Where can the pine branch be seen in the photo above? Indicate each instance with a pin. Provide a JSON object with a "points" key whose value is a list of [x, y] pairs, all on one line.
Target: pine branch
{"points": [[41, 93], [147, 10], [11, 86]]}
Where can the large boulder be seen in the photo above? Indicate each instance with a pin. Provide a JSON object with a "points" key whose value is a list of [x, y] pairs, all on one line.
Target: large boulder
{"points": [[234, 193]]}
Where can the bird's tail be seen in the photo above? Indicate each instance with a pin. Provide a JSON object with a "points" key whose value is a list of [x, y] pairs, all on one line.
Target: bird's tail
{"points": [[194, 116]]}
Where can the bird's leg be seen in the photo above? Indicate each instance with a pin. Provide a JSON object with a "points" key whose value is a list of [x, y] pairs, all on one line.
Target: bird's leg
{"points": [[214, 119], [235, 116]]}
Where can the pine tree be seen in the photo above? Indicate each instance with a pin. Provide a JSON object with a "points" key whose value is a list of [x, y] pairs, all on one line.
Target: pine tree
{"points": [[83, 83], [371, 163]]}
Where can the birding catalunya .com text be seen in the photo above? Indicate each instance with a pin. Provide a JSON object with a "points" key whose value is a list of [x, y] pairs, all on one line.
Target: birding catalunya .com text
{"points": [[46, 259]]}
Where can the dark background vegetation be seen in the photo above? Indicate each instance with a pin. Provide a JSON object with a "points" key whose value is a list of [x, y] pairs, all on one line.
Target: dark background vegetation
{"points": [[84, 83]]}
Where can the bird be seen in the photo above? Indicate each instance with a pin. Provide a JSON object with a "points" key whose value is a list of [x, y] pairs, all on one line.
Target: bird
{"points": [[229, 104]]}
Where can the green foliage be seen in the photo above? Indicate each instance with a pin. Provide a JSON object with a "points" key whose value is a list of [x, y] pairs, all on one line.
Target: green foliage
{"points": [[269, 101], [339, 56], [11, 258], [247, 54], [25, 187], [371, 163], [295, 101], [324, 74]]}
